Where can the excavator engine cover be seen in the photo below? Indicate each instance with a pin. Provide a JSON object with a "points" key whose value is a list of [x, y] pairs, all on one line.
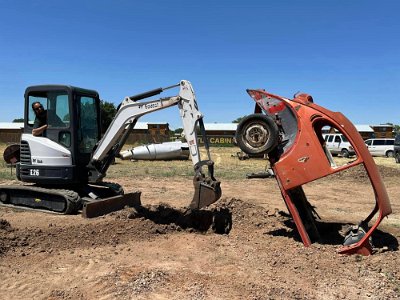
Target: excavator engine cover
{"points": [[290, 132]]}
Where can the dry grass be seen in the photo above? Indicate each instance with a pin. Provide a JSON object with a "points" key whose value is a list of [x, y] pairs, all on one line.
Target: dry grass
{"points": [[227, 166]]}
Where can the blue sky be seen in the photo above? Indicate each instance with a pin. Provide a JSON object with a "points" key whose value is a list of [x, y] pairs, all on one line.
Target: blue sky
{"points": [[346, 54]]}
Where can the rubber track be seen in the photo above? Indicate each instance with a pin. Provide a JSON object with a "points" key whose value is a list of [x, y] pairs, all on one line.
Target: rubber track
{"points": [[71, 198]]}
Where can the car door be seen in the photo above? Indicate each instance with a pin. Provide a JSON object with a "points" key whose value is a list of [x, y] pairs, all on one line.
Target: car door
{"points": [[389, 148], [378, 148], [369, 145], [329, 142], [336, 145]]}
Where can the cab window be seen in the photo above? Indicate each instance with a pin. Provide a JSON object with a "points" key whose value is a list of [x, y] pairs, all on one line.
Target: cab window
{"points": [[88, 124], [55, 105]]}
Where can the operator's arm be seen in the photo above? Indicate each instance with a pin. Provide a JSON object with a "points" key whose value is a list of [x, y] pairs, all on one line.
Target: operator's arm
{"points": [[38, 127], [38, 131]]}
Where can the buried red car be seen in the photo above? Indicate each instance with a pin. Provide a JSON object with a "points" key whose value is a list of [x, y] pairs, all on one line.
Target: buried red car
{"points": [[290, 132]]}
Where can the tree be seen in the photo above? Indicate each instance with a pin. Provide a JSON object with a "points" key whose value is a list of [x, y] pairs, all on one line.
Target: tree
{"points": [[238, 119], [19, 120], [107, 112], [396, 128], [178, 130]]}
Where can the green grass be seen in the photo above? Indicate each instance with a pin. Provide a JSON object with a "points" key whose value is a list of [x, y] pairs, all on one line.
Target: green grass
{"points": [[6, 173]]}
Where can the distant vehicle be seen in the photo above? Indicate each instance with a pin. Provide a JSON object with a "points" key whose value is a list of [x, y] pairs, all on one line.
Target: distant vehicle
{"points": [[381, 147], [396, 148], [338, 144]]}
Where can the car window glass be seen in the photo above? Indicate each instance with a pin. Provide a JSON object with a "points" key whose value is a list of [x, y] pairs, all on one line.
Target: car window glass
{"points": [[330, 138], [379, 142], [368, 142], [337, 139], [390, 142]]}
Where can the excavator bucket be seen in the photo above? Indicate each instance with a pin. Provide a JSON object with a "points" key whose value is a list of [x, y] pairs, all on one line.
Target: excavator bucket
{"points": [[206, 192]]}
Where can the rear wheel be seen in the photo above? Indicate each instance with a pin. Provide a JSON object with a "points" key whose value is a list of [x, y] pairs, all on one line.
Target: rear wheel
{"points": [[257, 134], [397, 157], [390, 153], [345, 153], [4, 198]]}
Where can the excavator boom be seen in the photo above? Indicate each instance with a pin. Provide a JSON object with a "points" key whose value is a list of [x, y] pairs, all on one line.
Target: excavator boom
{"points": [[207, 188]]}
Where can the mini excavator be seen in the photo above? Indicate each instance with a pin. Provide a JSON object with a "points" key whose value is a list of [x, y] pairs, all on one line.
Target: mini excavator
{"points": [[67, 164]]}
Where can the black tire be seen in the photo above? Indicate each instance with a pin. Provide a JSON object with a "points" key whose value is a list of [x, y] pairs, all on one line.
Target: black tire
{"points": [[257, 134], [4, 197], [390, 153], [397, 158], [345, 153]]}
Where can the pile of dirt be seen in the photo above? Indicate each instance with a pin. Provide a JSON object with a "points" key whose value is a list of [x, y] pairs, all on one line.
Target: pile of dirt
{"points": [[233, 249], [359, 174], [167, 218], [140, 223], [6, 238]]}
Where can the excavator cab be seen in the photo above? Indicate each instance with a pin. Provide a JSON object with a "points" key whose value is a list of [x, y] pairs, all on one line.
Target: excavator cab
{"points": [[62, 152]]}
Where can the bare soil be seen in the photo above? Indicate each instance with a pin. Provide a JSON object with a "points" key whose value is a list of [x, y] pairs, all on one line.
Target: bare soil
{"points": [[161, 253]]}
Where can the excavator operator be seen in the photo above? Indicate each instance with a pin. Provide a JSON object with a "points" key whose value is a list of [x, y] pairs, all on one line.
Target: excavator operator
{"points": [[40, 124], [44, 119]]}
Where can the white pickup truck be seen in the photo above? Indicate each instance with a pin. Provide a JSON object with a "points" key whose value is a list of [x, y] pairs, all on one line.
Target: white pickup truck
{"points": [[338, 144]]}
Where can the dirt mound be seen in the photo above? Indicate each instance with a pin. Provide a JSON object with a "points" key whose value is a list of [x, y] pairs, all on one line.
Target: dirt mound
{"points": [[5, 225], [359, 174], [217, 218], [157, 251], [145, 222], [140, 223], [6, 239]]}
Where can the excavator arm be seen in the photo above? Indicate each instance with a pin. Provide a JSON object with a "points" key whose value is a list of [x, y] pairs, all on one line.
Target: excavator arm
{"points": [[207, 188]]}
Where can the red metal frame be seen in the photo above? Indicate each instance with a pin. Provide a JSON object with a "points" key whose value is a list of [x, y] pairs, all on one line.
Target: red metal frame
{"points": [[305, 160]]}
